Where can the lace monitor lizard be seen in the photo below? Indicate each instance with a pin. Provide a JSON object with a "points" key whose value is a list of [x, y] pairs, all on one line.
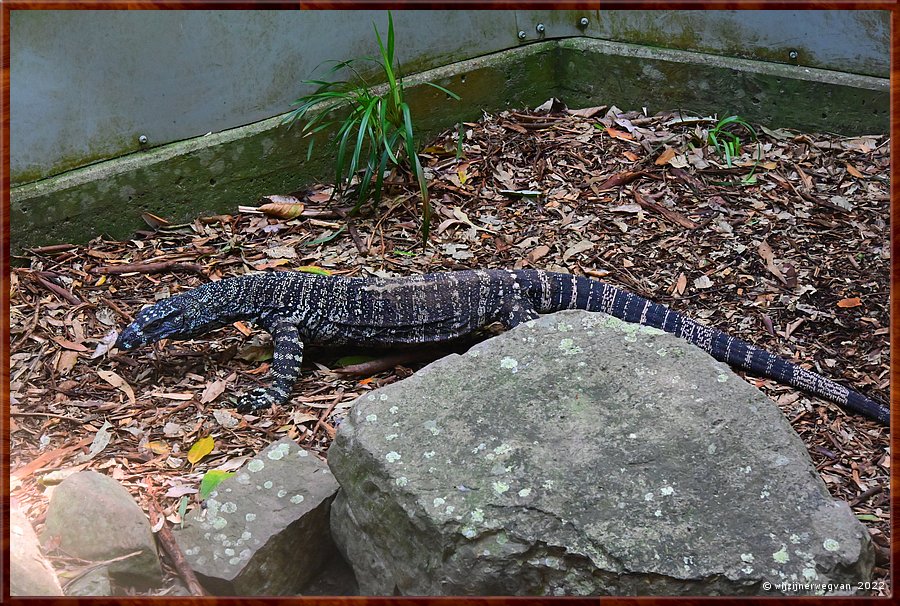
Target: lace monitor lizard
{"points": [[297, 308]]}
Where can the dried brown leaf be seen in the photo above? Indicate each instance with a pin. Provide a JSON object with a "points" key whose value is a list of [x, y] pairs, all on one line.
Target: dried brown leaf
{"points": [[850, 302], [212, 391], [281, 210], [664, 157]]}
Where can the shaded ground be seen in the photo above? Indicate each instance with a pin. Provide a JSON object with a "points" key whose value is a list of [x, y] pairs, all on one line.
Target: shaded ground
{"points": [[795, 260]]}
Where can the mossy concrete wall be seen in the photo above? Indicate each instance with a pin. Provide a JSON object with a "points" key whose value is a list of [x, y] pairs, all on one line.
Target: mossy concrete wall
{"points": [[217, 172]]}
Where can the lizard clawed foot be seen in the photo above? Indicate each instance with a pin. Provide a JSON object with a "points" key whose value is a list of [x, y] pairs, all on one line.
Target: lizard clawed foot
{"points": [[257, 399]]}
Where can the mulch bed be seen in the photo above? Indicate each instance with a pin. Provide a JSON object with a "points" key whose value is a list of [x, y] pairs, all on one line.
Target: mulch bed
{"points": [[789, 251]]}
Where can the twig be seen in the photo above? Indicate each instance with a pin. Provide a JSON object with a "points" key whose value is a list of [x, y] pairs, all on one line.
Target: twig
{"points": [[354, 234], [321, 421], [671, 215], [865, 495], [45, 414], [117, 309], [58, 290], [53, 248], [87, 569], [29, 468], [34, 322], [149, 268], [387, 362], [171, 546]]}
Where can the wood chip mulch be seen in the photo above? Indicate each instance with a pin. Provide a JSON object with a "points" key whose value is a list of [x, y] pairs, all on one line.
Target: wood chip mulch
{"points": [[789, 250]]}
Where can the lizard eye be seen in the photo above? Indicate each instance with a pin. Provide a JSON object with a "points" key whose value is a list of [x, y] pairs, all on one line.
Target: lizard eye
{"points": [[153, 324]]}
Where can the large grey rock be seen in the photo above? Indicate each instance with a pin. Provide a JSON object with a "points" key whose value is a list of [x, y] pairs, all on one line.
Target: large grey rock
{"points": [[264, 531], [579, 455], [29, 572], [95, 518]]}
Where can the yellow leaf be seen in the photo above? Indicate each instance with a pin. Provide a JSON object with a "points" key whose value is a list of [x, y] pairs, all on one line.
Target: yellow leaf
{"points": [[462, 174], [313, 269], [200, 449], [282, 210]]}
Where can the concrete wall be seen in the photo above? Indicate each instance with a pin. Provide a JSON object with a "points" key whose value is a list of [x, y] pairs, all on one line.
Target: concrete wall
{"points": [[85, 85]]}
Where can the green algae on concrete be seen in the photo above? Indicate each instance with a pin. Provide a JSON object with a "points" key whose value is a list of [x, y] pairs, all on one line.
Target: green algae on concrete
{"points": [[216, 173], [772, 94]]}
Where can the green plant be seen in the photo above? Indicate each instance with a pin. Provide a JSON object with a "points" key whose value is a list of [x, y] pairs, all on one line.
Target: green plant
{"points": [[728, 143], [375, 132]]}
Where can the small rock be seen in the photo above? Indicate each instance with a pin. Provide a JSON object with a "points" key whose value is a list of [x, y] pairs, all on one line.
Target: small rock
{"points": [[29, 572], [264, 531], [96, 519]]}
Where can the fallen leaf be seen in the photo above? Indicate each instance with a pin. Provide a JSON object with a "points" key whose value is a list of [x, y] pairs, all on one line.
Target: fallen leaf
{"points": [[631, 155], [587, 112], [326, 237], [765, 251], [154, 221], [854, 171], [313, 269], [536, 253], [224, 418], [851, 302], [298, 418], [212, 391], [282, 199], [180, 491], [69, 344], [461, 172], [282, 211], [281, 252], [551, 105], [664, 157], [619, 134], [101, 440], [66, 361], [681, 284], [617, 179], [580, 247], [117, 382], [243, 328], [211, 479], [105, 344], [703, 282], [181, 397], [158, 447], [320, 196], [200, 449]]}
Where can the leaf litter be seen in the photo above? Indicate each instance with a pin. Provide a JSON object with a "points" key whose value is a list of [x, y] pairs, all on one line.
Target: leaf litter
{"points": [[795, 260]]}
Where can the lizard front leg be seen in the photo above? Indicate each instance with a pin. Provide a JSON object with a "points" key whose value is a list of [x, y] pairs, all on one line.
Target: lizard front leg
{"points": [[285, 369]]}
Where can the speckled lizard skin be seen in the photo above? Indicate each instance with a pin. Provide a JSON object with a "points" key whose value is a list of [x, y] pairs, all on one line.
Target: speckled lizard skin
{"points": [[302, 308]]}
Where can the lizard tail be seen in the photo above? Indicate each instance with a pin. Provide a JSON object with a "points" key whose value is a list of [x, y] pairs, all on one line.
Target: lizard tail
{"points": [[553, 292]]}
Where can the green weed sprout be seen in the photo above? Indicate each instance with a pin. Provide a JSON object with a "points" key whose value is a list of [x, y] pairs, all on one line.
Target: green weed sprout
{"points": [[728, 143], [376, 131]]}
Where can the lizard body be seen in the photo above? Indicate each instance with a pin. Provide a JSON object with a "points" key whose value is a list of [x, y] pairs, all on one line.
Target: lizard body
{"points": [[300, 308]]}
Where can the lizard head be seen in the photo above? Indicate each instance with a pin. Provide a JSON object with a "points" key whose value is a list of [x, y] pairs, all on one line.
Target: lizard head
{"points": [[180, 317], [160, 321]]}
